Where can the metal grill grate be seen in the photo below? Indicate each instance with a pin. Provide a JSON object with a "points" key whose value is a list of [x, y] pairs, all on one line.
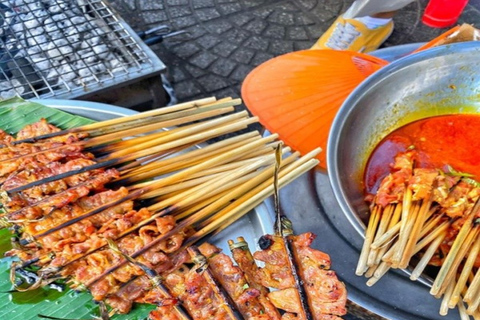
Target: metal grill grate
{"points": [[66, 48]]}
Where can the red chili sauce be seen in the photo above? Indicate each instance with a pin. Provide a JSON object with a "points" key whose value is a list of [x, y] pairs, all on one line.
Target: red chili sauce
{"points": [[452, 140]]}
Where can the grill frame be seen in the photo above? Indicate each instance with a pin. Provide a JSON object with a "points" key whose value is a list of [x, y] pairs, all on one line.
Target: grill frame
{"points": [[137, 60]]}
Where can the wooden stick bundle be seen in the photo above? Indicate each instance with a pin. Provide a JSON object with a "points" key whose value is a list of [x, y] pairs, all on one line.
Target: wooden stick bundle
{"points": [[440, 220]]}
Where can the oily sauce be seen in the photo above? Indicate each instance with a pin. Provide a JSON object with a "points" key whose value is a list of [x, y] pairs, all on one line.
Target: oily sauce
{"points": [[441, 141]]}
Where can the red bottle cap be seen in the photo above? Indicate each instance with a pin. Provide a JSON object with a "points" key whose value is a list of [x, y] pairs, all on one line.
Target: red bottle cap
{"points": [[443, 13]]}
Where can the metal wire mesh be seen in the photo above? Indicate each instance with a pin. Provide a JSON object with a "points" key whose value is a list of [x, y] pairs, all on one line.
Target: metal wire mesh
{"points": [[61, 48]]}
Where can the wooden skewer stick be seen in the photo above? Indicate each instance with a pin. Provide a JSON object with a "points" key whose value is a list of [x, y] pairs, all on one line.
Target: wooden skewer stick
{"points": [[414, 235], [155, 125], [180, 133], [253, 186], [97, 125], [386, 216], [369, 236], [472, 291], [246, 203], [466, 270], [157, 169], [462, 311], [386, 265], [454, 257], [446, 297], [175, 163], [427, 256], [409, 217]]}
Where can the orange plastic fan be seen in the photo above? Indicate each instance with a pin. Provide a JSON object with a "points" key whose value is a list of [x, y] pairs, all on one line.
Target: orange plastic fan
{"points": [[297, 95]]}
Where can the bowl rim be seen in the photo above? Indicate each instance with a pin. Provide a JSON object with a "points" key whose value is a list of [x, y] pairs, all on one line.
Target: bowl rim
{"points": [[356, 95]]}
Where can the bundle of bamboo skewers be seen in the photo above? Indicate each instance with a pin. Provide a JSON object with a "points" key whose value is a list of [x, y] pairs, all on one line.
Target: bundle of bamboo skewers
{"points": [[421, 217], [205, 189]]}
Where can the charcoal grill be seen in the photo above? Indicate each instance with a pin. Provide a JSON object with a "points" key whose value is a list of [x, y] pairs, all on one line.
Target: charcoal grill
{"points": [[69, 49]]}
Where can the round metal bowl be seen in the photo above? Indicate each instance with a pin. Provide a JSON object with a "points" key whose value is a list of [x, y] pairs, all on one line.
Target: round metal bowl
{"points": [[438, 81]]}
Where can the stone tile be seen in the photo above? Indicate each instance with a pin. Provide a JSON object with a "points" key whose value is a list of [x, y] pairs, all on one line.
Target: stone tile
{"points": [[208, 41], [236, 35], [223, 67], [302, 19], [207, 14], [151, 5], [213, 83], [180, 11], [297, 33], [154, 16], [275, 31], [243, 55], [224, 48], [203, 3], [194, 71], [229, 92], [253, 3], [302, 45], [203, 59], [263, 13], [261, 57], [185, 90], [184, 22], [240, 72], [279, 47], [241, 19], [257, 43], [177, 74], [283, 18], [256, 26], [177, 2], [219, 26], [230, 8], [185, 50]]}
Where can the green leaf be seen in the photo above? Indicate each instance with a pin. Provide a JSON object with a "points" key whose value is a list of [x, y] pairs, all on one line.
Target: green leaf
{"points": [[15, 113]]}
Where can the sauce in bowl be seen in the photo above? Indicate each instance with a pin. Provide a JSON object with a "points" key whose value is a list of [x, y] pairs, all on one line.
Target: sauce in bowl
{"points": [[441, 141]]}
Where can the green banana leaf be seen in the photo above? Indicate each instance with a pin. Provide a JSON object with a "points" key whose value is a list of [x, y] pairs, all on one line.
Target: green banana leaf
{"points": [[15, 113]]}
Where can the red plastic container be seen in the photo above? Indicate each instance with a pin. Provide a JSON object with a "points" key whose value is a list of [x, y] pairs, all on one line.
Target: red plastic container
{"points": [[443, 13]]}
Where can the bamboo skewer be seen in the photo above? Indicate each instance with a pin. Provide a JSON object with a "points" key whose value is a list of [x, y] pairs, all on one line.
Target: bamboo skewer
{"points": [[190, 157], [414, 232], [116, 121], [466, 270], [453, 258], [369, 236]]}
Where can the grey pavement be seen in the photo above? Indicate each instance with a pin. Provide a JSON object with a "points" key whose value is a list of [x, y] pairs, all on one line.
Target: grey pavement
{"points": [[228, 38]]}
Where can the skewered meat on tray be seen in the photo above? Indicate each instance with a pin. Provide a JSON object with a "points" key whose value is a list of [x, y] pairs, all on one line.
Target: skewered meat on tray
{"points": [[66, 228]]}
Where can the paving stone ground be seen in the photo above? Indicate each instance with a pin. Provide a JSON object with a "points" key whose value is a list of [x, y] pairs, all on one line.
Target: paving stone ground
{"points": [[228, 38]]}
